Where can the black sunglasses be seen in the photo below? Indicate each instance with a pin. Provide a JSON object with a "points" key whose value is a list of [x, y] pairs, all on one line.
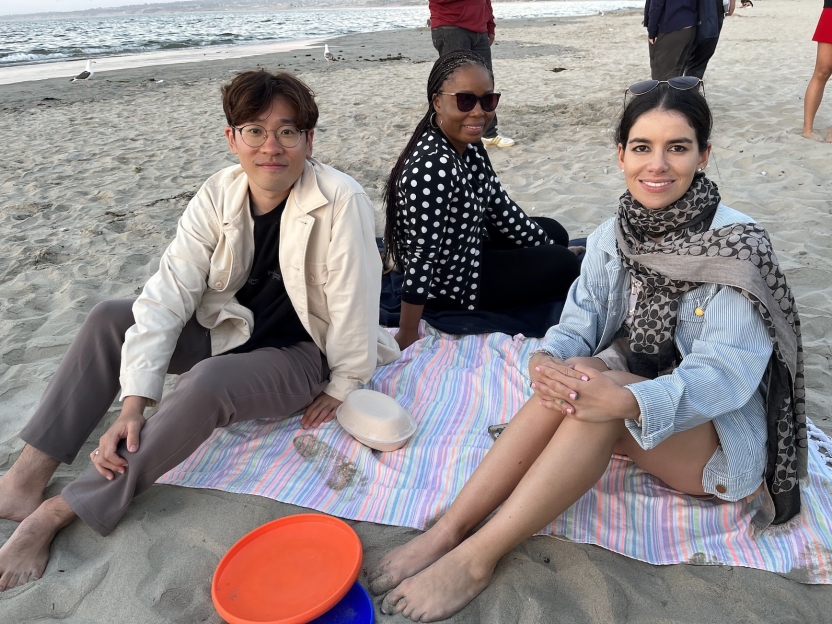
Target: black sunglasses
{"points": [[467, 101], [680, 83]]}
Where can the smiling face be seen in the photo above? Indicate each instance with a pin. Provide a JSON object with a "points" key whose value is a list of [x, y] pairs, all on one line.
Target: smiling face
{"points": [[660, 158], [271, 168], [459, 127]]}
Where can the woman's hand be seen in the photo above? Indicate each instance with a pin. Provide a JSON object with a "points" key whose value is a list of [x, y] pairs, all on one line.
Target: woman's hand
{"points": [[409, 324], [548, 385], [406, 338], [594, 396], [127, 426], [320, 411]]}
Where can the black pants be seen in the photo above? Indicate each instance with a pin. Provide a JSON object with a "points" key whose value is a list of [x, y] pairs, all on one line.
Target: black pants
{"points": [[669, 54], [513, 277], [450, 38], [700, 54]]}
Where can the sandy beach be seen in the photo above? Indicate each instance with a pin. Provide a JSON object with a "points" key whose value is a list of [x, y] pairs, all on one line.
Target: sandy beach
{"points": [[93, 179]]}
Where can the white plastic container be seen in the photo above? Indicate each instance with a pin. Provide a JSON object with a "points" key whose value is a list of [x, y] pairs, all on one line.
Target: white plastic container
{"points": [[376, 420]]}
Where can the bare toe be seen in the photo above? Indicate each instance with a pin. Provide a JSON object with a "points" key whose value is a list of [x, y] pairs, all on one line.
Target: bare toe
{"points": [[382, 583], [390, 604]]}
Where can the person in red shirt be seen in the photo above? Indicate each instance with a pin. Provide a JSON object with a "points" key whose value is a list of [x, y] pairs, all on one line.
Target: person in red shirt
{"points": [[467, 25]]}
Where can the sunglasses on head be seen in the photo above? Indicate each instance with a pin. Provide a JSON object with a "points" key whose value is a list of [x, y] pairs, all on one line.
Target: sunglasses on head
{"points": [[680, 83], [467, 101]]}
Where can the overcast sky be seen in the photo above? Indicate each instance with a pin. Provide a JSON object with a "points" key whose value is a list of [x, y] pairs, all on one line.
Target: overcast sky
{"points": [[11, 7]]}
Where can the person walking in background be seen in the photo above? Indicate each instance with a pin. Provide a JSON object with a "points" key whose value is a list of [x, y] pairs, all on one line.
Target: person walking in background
{"points": [[712, 14], [823, 69], [671, 29], [467, 25]]}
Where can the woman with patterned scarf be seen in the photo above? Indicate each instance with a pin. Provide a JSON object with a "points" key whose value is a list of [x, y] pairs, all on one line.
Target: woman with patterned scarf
{"points": [[679, 347]]}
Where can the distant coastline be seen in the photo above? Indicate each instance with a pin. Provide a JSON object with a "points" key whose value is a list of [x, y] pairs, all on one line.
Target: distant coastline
{"points": [[206, 6]]}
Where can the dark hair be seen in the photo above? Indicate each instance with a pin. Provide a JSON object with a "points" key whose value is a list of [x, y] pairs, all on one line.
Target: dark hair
{"points": [[251, 93], [441, 71], [690, 103]]}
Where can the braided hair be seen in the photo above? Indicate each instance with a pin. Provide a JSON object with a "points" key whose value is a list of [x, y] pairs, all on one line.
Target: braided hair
{"points": [[441, 71]]}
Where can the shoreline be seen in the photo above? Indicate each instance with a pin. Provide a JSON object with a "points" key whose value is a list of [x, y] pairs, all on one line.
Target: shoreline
{"points": [[68, 68]]}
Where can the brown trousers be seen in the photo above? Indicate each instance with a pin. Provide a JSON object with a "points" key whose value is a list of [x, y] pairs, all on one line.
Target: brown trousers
{"points": [[211, 392]]}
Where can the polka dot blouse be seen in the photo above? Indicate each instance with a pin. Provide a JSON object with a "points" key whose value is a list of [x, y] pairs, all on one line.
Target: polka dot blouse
{"points": [[446, 203]]}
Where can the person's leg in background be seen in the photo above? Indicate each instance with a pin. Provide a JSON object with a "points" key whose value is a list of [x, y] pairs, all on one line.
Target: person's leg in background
{"points": [[669, 53], [814, 91]]}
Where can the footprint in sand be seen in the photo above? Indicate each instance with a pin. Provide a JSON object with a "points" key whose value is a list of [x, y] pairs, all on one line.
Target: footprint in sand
{"points": [[339, 472]]}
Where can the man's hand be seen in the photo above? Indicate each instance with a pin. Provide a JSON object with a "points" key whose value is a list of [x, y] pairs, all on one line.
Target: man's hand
{"points": [[320, 411], [490, 38], [127, 426]]}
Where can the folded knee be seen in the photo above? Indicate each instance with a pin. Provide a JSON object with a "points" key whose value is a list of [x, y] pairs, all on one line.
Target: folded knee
{"points": [[113, 312]]}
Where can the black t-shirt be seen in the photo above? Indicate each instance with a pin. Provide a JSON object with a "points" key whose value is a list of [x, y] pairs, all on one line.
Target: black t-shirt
{"points": [[276, 323]]}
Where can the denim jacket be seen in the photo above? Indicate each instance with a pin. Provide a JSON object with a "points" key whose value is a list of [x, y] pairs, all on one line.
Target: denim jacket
{"points": [[720, 379]]}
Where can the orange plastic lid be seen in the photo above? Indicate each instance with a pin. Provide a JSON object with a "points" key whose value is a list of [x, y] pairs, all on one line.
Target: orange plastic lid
{"points": [[288, 571]]}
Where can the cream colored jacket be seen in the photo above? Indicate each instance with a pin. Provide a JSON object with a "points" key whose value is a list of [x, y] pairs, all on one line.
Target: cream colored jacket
{"points": [[330, 265]]}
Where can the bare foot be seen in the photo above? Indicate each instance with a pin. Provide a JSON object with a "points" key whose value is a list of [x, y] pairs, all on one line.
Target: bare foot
{"points": [[17, 502], [405, 561], [829, 136], [812, 135], [24, 556], [442, 589]]}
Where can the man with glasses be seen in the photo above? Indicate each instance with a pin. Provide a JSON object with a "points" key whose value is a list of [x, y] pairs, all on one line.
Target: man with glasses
{"points": [[265, 302]]}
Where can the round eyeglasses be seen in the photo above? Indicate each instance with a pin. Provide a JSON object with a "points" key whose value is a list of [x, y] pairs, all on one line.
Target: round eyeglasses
{"points": [[255, 136]]}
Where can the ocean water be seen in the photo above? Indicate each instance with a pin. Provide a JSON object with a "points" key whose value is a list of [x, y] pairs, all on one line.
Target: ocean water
{"points": [[44, 41]]}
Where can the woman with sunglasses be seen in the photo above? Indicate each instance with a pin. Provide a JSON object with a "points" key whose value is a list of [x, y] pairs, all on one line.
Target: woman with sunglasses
{"points": [[452, 229], [679, 347]]}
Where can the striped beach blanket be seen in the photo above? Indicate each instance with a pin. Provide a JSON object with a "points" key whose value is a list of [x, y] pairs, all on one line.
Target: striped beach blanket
{"points": [[455, 387]]}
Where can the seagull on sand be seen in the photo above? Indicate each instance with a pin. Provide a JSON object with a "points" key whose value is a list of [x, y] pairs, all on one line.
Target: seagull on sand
{"points": [[329, 56], [86, 74]]}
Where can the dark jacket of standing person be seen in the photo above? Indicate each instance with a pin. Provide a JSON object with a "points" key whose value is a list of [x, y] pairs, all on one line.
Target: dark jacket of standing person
{"points": [[664, 16], [473, 15]]}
